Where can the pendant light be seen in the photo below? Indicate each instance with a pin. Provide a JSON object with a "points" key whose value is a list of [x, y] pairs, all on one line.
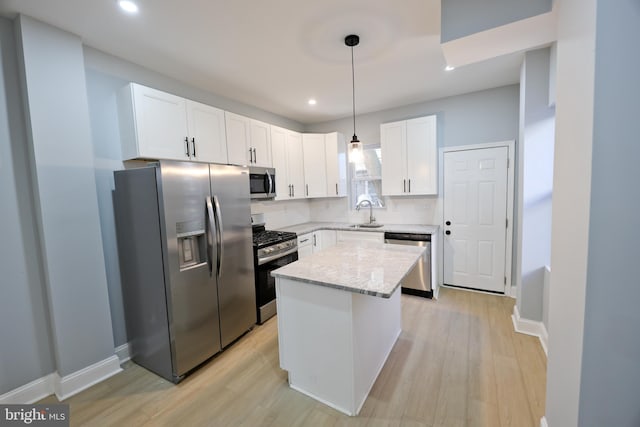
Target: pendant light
{"points": [[355, 146]]}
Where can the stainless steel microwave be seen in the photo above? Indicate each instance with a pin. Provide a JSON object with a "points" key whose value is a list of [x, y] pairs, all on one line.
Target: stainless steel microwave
{"points": [[262, 182]]}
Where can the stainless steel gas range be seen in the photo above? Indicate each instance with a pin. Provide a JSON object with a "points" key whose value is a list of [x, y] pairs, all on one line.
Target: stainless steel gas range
{"points": [[271, 250]]}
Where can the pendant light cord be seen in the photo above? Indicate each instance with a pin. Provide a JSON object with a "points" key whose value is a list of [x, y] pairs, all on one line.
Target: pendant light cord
{"points": [[353, 87]]}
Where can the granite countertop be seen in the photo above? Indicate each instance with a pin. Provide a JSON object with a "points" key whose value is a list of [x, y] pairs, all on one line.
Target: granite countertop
{"points": [[309, 227], [375, 269]]}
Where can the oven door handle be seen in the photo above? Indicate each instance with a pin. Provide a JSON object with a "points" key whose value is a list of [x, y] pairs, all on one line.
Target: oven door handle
{"points": [[262, 261]]}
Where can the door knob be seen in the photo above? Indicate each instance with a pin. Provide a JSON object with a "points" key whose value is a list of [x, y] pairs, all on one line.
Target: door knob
{"points": [[447, 232], [448, 223]]}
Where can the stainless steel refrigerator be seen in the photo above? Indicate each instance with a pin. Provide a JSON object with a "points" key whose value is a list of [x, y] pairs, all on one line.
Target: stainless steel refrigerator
{"points": [[186, 261]]}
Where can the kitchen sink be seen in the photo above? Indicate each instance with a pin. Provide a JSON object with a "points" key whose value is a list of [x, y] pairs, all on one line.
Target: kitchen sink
{"points": [[366, 225]]}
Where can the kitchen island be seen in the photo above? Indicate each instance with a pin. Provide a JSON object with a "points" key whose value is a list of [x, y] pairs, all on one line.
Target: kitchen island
{"points": [[339, 317]]}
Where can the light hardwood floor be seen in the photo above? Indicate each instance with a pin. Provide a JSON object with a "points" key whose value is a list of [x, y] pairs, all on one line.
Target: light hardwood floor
{"points": [[458, 362]]}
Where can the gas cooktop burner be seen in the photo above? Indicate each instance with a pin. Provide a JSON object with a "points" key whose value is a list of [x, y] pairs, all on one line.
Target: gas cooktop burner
{"points": [[266, 237]]}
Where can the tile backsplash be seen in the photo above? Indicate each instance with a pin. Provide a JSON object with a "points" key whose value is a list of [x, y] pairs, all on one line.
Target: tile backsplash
{"points": [[282, 213], [397, 210]]}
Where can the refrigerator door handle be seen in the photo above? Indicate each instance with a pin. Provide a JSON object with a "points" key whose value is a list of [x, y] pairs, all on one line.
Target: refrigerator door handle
{"points": [[219, 235], [210, 226]]}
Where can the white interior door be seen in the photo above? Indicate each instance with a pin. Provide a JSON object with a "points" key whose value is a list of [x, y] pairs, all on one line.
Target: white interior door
{"points": [[475, 218]]}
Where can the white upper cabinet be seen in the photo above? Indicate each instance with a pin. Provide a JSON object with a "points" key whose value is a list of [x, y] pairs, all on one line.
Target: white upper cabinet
{"points": [[248, 141], [261, 143], [206, 133], [325, 165], [153, 124], [336, 158], [295, 161], [286, 150], [238, 137], [409, 157], [315, 169], [159, 125]]}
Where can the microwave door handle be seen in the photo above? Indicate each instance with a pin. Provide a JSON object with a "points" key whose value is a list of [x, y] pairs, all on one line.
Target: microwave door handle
{"points": [[270, 184], [209, 227], [219, 235]]}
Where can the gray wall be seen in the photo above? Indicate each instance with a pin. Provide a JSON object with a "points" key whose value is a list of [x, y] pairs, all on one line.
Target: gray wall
{"points": [[105, 76], [25, 353], [610, 377], [126, 72], [461, 18], [537, 127], [64, 188], [485, 116]]}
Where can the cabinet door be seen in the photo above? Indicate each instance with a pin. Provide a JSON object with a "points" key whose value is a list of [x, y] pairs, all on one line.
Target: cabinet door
{"points": [[160, 121], [315, 173], [260, 142], [305, 245], [422, 156], [295, 161], [328, 238], [238, 135], [336, 159], [280, 162], [394, 158], [207, 133]]}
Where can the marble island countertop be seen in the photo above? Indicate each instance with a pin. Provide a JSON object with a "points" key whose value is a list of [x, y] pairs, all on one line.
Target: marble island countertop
{"points": [[309, 227], [368, 268]]}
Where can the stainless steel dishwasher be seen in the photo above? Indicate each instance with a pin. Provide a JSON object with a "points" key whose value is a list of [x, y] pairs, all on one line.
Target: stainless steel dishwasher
{"points": [[418, 281]]}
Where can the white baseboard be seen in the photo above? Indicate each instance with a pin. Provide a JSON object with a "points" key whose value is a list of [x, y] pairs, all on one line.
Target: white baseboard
{"points": [[63, 387], [513, 291], [530, 327], [124, 352], [543, 422], [29, 393], [74, 383]]}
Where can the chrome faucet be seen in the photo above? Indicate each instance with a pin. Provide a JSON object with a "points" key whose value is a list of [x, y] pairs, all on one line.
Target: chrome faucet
{"points": [[362, 202]]}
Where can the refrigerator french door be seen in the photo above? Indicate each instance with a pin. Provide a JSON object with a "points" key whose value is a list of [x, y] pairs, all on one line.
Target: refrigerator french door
{"points": [[187, 281]]}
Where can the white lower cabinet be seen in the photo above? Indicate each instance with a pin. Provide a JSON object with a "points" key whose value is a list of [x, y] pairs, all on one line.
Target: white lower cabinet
{"points": [[360, 236], [311, 243]]}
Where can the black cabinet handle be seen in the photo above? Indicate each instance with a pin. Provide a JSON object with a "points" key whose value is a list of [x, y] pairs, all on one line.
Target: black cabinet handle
{"points": [[409, 186], [336, 188], [186, 141], [193, 142], [404, 185], [448, 223], [447, 232], [307, 189]]}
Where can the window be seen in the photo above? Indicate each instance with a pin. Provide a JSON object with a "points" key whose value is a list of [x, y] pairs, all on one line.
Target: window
{"points": [[366, 177]]}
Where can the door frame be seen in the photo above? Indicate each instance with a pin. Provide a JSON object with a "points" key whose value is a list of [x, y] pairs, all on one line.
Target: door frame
{"points": [[511, 156]]}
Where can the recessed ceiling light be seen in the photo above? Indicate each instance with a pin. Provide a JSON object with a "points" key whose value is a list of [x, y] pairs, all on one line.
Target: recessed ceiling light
{"points": [[128, 6], [312, 101], [449, 68]]}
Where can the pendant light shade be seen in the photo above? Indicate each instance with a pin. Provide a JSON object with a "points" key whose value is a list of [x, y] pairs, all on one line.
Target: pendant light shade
{"points": [[355, 146]]}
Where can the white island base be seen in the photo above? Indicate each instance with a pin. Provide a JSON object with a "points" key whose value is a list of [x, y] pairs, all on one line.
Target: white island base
{"points": [[334, 342]]}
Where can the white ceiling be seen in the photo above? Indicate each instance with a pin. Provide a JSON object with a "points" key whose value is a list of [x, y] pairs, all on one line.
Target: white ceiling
{"points": [[276, 54]]}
